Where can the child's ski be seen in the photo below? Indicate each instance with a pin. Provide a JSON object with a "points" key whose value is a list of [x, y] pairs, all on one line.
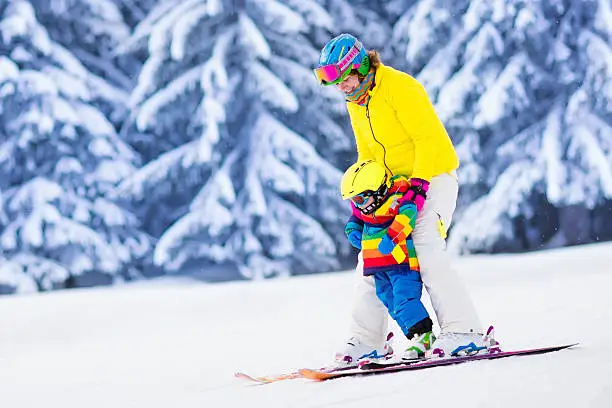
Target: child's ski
{"points": [[266, 379], [369, 369]]}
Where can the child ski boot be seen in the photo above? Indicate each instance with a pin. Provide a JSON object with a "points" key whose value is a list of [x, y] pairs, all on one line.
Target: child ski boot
{"points": [[355, 352]]}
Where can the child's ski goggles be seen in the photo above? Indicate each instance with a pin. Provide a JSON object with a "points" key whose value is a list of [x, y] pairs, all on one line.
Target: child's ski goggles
{"points": [[334, 73], [361, 199]]}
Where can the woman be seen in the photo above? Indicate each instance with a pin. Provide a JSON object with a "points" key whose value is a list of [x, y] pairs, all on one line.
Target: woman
{"points": [[395, 123]]}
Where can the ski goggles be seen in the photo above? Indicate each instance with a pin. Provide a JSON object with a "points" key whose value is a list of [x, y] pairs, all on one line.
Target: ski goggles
{"points": [[361, 199], [333, 73]]}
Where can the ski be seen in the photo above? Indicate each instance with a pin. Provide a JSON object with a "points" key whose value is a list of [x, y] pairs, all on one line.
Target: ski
{"points": [[367, 365], [267, 379], [375, 368]]}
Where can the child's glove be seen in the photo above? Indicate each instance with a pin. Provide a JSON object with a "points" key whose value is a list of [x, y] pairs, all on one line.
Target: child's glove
{"points": [[417, 192], [354, 238], [386, 245]]}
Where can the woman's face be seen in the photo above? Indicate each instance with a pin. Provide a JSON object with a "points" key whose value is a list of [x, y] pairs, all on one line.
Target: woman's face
{"points": [[349, 84]]}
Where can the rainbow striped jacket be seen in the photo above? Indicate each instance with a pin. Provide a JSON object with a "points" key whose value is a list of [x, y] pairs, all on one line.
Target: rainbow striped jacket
{"points": [[396, 217]]}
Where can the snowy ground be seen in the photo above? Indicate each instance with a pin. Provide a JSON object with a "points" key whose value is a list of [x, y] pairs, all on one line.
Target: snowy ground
{"points": [[175, 343]]}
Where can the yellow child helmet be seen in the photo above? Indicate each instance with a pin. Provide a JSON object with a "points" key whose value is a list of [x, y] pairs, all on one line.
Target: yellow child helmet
{"points": [[365, 175]]}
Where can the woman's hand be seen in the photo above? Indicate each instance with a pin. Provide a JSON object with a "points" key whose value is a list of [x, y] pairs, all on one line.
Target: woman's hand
{"points": [[417, 192]]}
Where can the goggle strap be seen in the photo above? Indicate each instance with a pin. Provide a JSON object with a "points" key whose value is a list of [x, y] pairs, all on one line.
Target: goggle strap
{"points": [[353, 52]]}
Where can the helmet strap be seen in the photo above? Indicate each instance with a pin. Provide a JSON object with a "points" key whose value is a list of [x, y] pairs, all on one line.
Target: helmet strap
{"points": [[364, 65]]}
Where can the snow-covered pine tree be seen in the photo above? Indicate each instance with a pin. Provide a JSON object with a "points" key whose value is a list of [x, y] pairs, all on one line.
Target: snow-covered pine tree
{"points": [[59, 156], [430, 38], [371, 21], [519, 86], [91, 30], [134, 11], [13, 279], [226, 112]]}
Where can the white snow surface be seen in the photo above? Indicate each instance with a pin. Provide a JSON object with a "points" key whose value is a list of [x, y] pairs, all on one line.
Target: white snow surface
{"points": [[177, 342]]}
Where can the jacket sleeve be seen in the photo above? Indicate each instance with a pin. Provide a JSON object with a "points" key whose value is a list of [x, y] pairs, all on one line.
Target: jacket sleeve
{"points": [[404, 222], [363, 151], [417, 115], [353, 224]]}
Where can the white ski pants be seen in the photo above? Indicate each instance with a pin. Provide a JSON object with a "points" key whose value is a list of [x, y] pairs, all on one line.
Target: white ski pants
{"points": [[449, 297]]}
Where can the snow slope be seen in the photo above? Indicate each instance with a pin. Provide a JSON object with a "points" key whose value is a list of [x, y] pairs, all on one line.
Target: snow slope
{"points": [[177, 342]]}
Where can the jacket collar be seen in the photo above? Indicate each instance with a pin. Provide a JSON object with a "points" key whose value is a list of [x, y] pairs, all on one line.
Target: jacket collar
{"points": [[378, 78]]}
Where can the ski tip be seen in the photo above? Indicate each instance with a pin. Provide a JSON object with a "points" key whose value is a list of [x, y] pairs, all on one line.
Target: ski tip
{"points": [[267, 379], [572, 345], [258, 380], [243, 376], [563, 346]]}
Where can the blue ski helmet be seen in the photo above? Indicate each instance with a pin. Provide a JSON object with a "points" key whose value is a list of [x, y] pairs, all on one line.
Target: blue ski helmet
{"points": [[339, 56]]}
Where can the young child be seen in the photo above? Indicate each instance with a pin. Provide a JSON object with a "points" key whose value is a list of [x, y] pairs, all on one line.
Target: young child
{"points": [[380, 227]]}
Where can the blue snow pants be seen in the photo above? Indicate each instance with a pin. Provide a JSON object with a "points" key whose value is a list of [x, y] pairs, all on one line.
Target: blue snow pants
{"points": [[400, 292]]}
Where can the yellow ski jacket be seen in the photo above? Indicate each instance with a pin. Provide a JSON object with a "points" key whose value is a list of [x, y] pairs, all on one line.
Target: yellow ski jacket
{"points": [[400, 128]]}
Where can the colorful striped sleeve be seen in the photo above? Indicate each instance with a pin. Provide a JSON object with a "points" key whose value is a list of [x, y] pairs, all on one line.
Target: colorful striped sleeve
{"points": [[404, 222], [353, 224]]}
